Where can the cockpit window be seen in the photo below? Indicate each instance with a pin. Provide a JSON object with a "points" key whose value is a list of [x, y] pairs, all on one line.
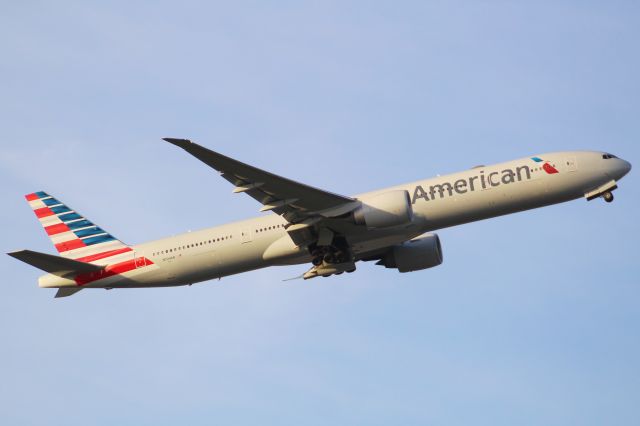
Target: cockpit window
{"points": [[608, 156]]}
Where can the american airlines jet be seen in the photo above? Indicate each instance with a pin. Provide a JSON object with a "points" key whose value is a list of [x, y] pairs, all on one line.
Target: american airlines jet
{"points": [[392, 226]]}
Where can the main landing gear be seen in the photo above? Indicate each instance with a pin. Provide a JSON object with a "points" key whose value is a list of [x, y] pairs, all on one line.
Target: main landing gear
{"points": [[330, 260], [608, 196], [338, 252]]}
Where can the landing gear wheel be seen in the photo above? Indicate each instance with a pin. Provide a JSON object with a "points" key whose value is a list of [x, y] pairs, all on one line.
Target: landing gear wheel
{"points": [[608, 196], [317, 261], [329, 258]]}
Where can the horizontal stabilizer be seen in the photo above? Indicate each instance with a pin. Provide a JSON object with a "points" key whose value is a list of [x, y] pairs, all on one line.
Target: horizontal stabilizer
{"points": [[60, 266], [67, 291]]}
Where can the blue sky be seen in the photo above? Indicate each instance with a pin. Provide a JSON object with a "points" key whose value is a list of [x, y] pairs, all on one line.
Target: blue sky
{"points": [[532, 319]]}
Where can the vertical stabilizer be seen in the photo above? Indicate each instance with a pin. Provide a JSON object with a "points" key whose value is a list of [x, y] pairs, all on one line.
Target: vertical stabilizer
{"points": [[73, 235]]}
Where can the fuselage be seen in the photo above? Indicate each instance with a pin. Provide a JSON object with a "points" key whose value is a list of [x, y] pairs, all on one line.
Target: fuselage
{"points": [[471, 195]]}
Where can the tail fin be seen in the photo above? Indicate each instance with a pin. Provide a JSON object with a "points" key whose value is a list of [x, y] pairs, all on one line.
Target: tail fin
{"points": [[74, 236]]}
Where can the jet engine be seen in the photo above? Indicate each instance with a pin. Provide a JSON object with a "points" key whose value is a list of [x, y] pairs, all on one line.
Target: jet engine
{"points": [[420, 253], [391, 208]]}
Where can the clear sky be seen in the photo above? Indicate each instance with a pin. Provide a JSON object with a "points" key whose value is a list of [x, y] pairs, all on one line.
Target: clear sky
{"points": [[532, 319]]}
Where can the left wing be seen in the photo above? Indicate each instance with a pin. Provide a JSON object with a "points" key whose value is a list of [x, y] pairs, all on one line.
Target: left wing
{"points": [[293, 200]]}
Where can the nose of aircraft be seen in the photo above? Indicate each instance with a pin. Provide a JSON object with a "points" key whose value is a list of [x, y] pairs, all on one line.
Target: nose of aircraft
{"points": [[615, 167], [625, 167], [620, 168]]}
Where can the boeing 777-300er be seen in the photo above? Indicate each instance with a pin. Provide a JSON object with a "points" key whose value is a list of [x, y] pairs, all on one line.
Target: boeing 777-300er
{"points": [[392, 226]]}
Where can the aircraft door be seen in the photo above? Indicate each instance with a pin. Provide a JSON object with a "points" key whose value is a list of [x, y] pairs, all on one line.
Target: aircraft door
{"points": [[246, 235], [572, 165]]}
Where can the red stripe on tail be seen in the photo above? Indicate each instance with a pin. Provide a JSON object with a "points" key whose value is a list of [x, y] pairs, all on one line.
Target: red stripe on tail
{"points": [[102, 255], [70, 245], [31, 197], [43, 212], [56, 229]]}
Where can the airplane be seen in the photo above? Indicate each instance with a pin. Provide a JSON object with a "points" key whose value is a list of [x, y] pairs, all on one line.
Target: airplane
{"points": [[393, 226]]}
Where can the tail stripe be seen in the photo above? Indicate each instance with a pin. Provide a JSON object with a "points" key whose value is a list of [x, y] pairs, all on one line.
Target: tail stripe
{"points": [[56, 229], [99, 239], [69, 245], [79, 224], [51, 202], [36, 196], [60, 209], [98, 256], [70, 216], [43, 212], [87, 232], [91, 250]]}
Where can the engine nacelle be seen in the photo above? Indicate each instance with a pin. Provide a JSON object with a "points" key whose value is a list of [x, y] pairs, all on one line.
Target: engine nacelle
{"points": [[391, 208], [420, 253]]}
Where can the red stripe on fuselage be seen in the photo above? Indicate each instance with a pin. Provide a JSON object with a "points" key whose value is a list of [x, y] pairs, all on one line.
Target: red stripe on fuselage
{"points": [[102, 255], [70, 245], [56, 229], [111, 270], [43, 212]]}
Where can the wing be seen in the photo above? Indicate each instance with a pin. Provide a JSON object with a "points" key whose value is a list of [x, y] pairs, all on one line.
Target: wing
{"points": [[292, 200]]}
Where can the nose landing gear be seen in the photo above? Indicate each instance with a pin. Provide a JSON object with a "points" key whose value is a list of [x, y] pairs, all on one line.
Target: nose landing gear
{"points": [[608, 196]]}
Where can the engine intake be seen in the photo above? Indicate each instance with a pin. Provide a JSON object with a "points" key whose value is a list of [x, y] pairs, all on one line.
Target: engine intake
{"points": [[420, 253], [391, 208]]}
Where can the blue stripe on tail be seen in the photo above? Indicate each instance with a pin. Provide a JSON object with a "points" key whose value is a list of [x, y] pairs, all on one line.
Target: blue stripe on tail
{"points": [[79, 224], [96, 240], [51, 202], [69, 216], [89, 231], [60, 209]]}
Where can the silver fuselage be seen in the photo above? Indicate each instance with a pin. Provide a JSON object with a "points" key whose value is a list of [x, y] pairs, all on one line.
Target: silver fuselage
{"points": [[440, 202]]}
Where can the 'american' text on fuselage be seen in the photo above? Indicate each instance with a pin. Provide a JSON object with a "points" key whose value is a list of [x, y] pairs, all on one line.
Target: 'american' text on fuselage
{"points": [[462, 186]]}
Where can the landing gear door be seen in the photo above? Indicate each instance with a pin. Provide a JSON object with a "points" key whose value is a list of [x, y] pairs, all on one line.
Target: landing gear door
{"points": [[572, 164]]}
